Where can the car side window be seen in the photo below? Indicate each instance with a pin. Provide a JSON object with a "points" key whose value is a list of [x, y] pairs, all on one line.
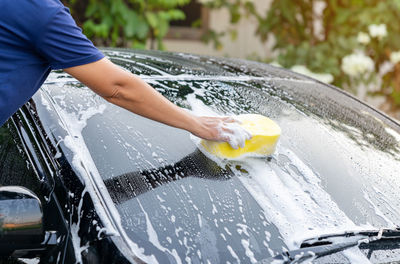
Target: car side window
{"points": [[15, 168]]}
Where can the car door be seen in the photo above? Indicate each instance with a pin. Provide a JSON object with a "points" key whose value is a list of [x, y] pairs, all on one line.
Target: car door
{"points": [[22, 164]]}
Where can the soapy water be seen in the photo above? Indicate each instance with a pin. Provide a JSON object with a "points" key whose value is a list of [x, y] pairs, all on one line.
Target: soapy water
{"points": [[73, 123], [235, 135], [292, 197], [229, 130]]}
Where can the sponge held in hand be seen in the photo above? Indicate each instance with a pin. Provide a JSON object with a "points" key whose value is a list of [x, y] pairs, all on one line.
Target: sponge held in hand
{"points": [[265, 135]]}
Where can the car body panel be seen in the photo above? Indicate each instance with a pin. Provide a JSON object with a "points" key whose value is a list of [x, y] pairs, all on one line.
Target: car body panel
{"points": [[159, 199]]}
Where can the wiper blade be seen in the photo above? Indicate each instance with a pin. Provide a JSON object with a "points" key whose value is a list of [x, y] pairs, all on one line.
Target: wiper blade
{"points": [[324, 245], [370, 235]]}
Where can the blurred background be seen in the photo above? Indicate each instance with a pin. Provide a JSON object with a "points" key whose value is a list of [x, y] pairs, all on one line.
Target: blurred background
{"points": [[353, 44]]}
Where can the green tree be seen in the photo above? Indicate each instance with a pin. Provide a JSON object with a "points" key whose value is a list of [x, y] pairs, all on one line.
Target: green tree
{"points": [[126, 22], [321, 39]]}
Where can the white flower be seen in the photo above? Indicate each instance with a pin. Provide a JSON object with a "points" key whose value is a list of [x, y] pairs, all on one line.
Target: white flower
{"points": [[377, 31], [323, 77], [357, 64], [395, 57], [363, 38], [385, 67]]}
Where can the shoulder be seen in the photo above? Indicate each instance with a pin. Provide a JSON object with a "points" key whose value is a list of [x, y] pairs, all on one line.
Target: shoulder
{"points": [[45, 6], [31, 8], [44, 10], [28, 16], [47, 15]]}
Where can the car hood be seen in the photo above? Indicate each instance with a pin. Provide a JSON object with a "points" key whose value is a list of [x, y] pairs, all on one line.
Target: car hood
{"points": [[336, 165]]}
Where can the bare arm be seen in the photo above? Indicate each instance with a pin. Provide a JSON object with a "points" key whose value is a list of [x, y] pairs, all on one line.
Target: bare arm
{"points": [[130, 92]]}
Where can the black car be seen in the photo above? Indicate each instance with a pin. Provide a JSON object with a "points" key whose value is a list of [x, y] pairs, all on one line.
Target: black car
{"points": [[85, 181]]}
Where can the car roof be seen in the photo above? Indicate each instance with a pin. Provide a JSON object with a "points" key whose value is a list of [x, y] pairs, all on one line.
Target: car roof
{"points": [[175, 202]]}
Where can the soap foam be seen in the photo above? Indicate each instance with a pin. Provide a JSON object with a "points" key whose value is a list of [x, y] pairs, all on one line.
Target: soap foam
{"points": [[235, 134], [74, 123], [292, 199]]}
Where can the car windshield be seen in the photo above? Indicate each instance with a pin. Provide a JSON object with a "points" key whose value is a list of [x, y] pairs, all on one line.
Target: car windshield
{"points": [[336, 165]]}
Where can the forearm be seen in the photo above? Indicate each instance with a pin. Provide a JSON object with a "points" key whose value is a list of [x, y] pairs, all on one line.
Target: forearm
{"points": [[130, 92], [140, 98], [126, 90]]}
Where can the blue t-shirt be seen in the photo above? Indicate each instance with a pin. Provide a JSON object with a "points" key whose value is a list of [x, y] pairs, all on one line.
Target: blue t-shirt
{"points": [[36, 36]]}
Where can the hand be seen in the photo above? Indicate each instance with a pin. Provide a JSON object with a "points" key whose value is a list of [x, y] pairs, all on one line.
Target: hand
{"points": [[225, 129]]}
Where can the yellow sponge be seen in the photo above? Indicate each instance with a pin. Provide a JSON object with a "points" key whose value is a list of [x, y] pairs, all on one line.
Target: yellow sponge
{"points": [[265, 134]]}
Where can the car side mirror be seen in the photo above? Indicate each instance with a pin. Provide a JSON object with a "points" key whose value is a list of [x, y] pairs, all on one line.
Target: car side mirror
{"points": [[21, 221]]}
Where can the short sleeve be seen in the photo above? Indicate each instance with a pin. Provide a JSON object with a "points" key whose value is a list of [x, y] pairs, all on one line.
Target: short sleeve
{"points": [[62, 43]]}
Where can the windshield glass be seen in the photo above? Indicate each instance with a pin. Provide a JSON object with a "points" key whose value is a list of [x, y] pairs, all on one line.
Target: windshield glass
{"points": [[336, 166]]}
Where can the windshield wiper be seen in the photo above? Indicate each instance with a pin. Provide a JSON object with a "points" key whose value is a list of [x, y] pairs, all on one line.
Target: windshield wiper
{"points": [[332, 243]]}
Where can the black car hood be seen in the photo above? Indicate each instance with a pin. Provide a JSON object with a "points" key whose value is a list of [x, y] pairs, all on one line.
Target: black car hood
{"points": [[336, 166]]}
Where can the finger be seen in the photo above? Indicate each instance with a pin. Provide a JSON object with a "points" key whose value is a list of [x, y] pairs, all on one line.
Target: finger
{"points": [[224, 138], [229, 119], [231, 140], [237, 120], [227, 129], [245, 136], [248, 134], [233, 143], [242, 142]]}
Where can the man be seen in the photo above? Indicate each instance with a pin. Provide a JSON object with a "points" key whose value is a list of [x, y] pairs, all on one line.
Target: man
{"points": [[37, 36]]}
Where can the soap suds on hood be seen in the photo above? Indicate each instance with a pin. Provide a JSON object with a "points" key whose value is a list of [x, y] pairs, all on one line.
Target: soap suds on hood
{"points": [[235, 134], [292, 198], [74, 122]]}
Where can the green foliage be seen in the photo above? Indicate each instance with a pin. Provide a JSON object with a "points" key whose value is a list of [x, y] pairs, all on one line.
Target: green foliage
{"points": [[119, 22], [299, 41], [396, 96], [341, 23]]}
